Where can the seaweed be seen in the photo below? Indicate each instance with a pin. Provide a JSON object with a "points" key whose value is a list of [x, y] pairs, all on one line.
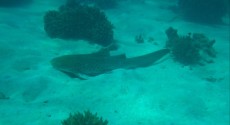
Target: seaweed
{"points": [[86, 118]]}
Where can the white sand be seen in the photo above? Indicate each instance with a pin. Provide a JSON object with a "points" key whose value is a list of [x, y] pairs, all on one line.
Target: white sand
{"points": [[162, 94]]}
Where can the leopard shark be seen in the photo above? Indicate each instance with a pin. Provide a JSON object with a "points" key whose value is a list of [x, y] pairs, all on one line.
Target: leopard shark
{"points": [[101, 62]]}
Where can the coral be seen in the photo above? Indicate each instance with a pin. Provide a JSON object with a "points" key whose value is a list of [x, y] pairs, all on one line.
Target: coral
{"points": [[14, 3], [191, 49], [139, 38], [203, 11], [75, 21], [84, 119]]}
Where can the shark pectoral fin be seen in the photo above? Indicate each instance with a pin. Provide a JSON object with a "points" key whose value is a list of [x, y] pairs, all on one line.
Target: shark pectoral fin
{"points": [[72, 75]]}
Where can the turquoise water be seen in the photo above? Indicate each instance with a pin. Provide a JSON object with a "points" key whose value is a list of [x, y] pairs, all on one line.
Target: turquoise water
{"points": [[33, 92]]}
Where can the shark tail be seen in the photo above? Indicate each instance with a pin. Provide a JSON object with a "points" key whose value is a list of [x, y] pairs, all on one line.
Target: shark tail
{"points": [[145, 60]]}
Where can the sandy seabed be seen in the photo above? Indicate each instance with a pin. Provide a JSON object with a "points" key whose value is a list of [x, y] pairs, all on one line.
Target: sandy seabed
{"points": [[163, 94]]}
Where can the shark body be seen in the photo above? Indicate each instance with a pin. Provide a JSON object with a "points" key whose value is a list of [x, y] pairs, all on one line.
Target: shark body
{"points": [[102, 62]]}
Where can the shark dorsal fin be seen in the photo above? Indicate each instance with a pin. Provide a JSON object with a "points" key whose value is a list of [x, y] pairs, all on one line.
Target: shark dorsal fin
{"points": [[106, 50]]}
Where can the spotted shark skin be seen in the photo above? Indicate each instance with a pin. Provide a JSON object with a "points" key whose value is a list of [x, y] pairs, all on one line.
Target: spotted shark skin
{"points": [[102, 62]]}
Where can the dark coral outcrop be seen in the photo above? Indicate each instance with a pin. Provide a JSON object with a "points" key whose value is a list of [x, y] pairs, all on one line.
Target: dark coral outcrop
{"points": [[75, 21], [203, 11]]}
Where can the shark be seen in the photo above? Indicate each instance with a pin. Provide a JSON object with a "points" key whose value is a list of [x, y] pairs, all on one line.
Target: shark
{"points": [[101, 62]]}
